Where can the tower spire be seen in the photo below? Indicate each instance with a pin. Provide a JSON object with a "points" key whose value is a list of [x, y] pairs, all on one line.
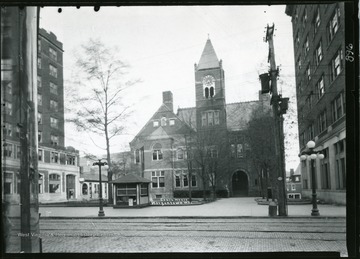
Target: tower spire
{"points": [[208, 57]]}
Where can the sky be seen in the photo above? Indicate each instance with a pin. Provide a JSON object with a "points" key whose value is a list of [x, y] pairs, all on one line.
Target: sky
{"points": [[161, 44]]}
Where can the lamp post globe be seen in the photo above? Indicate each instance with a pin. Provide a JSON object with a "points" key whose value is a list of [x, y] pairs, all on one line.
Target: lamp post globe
{"points": [[310, 144]]}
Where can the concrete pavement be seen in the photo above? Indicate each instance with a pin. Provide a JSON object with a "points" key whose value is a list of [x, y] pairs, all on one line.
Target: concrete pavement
{"points": [[227, 207]]}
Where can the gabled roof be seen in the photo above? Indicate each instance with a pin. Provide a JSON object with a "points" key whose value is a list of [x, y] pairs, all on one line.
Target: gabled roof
{"points": [[238, 115], [208, 57], [131, 178], [148, 131], [188, 116]]}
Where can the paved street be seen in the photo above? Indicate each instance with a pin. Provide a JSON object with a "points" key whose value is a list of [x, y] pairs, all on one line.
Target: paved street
{"points": [[193, 235], [230, 207], [226, 225]]}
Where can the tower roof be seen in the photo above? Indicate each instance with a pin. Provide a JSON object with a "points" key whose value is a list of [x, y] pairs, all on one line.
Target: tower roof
{"points": [[208, 57]]}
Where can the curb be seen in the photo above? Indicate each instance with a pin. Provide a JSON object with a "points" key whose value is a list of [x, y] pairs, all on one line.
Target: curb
{"points": [[195, 217]]}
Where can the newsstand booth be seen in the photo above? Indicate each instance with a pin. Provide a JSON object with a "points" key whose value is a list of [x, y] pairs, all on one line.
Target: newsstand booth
{"points": [[131, 191]]}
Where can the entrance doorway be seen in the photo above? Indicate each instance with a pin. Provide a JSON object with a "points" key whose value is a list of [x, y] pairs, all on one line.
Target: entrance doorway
{"points": [[70, 187], [240, 186]]}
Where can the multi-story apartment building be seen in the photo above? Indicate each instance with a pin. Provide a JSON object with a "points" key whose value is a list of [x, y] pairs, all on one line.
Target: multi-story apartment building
{"points": [[318, 32], [172, 144], [57, 165]]}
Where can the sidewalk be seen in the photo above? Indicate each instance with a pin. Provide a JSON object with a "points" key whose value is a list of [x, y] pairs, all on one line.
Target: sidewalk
{"points": [[229, 207]]}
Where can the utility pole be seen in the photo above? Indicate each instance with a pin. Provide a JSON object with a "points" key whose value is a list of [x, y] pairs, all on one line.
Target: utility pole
{"points": [[279, 106]]}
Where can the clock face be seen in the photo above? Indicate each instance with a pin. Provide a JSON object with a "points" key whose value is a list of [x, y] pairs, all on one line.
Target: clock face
{"points": [[208, 80]]}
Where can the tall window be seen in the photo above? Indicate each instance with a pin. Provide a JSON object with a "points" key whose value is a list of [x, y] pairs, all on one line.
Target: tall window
{"points": [[325, 172], [336, 64], [54, 157], [334, 23], [322, 121], [18, 152], [311, 133], [39, 99], [53, 88], [240, 150], [340, 168], [40, 138], [318, 54], [137, 156], [306, 46], [210, 118], [41, 183], [308, 73], [54, 123], [158, 179], [320, 87], [41, 155], [53, 71], [9, 183], [233, 150], [317, 21], [7, 108], [39, 63], [54, 140], [338, 107], [54, 183], [185, 179], [54, 105], [193, 180], [177, 180], [157, 154], [8, 150], [39, 117], [163, 121], [39, 81], [7, 129], [53, 54], [180, 154], [70, 160]]}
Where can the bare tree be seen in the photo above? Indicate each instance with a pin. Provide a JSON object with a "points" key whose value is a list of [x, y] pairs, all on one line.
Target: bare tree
{"points": [[260, 136], [97, 101]]}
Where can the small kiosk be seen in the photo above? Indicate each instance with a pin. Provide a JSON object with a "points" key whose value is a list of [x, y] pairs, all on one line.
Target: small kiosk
{"points": [[131, 190]]}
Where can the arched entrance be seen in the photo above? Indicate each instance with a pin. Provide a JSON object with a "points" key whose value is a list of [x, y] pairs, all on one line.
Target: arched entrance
{"points": [[240, 185]]}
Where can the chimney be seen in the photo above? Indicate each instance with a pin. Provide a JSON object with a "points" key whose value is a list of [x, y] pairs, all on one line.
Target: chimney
{"points": [[168, 99], [291, 172]]}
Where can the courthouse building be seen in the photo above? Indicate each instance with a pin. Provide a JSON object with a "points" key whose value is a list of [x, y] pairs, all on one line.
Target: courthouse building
{"points": [[161, 150]]}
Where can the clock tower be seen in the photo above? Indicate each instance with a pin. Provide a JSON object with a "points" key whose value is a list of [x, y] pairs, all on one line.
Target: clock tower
{"points": [[209, 90]]}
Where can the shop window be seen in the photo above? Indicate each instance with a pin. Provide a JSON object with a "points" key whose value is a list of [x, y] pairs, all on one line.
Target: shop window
{"points": [[54, 183], [84, 189]]}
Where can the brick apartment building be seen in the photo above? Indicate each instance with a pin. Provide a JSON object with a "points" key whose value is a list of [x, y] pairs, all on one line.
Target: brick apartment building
{"points": [[57, 165], [318, 32], [161, 148]]}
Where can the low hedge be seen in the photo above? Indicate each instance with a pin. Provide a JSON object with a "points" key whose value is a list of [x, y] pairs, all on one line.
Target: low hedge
{"points": [[200, 194]]}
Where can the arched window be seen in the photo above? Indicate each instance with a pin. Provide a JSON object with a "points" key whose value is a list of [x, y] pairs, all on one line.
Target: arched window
{"points": [[84, 189], [157, 154], [211, 91], [206, 92], [180, 154], [163, 121]]}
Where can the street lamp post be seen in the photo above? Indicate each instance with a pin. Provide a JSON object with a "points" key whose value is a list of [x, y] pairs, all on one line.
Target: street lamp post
{"points": [[312, 156], [100, 164]]}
